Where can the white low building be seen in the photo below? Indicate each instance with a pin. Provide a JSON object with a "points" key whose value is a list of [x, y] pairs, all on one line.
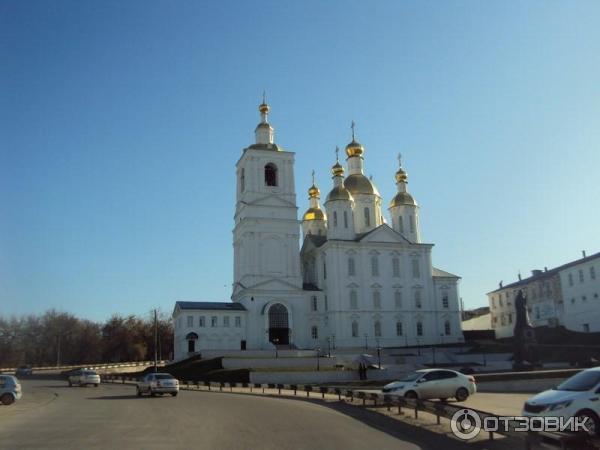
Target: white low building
{"points": [[355, 282], [567, 295]]}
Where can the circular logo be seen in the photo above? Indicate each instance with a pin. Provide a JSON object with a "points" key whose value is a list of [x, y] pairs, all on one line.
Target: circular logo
{"points": [[465, 424]]}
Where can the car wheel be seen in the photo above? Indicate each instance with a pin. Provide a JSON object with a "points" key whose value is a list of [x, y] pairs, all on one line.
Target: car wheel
{"points": [[462, 394], [174, 394], [411, 395], [591, 421], [96, 385], [7, 399]]}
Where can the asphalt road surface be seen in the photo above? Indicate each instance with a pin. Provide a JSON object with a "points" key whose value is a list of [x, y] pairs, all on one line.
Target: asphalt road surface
{"points": [[54, 416]]}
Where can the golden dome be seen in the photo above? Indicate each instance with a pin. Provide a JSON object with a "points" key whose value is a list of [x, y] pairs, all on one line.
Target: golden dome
{"points": [[403, 198], [401, 176], [264, 108], [314, 192], [354, 149], [313, 214], [360, 184], [339, 193], [337, 170]]}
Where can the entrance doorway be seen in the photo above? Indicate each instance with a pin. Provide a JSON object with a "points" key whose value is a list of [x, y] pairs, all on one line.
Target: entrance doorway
{"points": [[191, 338], [279, 330]]}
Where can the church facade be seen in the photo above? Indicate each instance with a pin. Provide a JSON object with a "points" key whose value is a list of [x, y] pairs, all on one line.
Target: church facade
{"points": [[356, 280]]}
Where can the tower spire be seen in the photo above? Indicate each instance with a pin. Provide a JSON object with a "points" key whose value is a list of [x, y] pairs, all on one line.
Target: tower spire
{"points": [[353, 125]]}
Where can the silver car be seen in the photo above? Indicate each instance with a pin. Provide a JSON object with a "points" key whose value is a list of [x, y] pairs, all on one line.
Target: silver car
{"points": [[10, 389], [433, 383], [158, 383], [83, 377]]}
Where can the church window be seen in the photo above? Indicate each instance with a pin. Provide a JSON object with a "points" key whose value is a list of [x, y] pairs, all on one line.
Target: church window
{"points": [[226, 321], [400, 224], [270, 175], [447, 329], [399, 329], [416, 273], [581, 276], [374, 266], [355, 329], [190, 321], [592, 273], [419, 329], [238, 321], [201, 321], [314, 332], [345, 219], [242, 180], [396, 267], [398, 299], [353, 300], [376, 300], [351, 267], [213, 321], [335, 218], [377, 328], [314, 303], [367, 217], [445, 302], [418, 303], [411, 220]]}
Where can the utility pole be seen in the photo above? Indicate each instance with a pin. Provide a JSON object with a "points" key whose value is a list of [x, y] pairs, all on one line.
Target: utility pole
{"points": [[58, 351], [155, 342]]}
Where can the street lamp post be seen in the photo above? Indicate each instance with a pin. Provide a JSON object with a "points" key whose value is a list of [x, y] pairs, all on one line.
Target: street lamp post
{"points": [[378, 355], [433, 354], [329, 347], [419, 346], [333, 341], [366, 341], [276, 341], [318, 349]]}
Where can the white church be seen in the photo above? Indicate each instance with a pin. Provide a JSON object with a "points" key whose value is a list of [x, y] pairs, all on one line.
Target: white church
{"points": [[356, 281]]}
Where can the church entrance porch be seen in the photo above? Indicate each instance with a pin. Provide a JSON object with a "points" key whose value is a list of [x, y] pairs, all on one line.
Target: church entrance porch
{"points": [[279, 330]]}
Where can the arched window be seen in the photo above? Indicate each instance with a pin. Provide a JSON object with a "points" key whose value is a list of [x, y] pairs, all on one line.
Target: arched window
{"points": [[346, 220], [335, 218], [447, 329], [374, 266], [351, 267], [399, 329], [270, 175], [376, 300], [419, 329], [398, 299], [400, 224], [353, 300], [377, 328], [242, 181], [367, 217], [355, 329]]}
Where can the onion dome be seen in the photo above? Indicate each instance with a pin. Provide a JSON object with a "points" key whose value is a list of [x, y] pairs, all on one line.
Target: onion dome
{"points": [[314, 214], [339, 193], [337, 170], [263, 108], [359, 184], [403, 198], [354, 149], [401, 176], [314, 192]]}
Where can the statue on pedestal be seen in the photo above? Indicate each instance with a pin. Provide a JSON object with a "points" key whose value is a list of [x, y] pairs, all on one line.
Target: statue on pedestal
{"points": [[524, 335]]}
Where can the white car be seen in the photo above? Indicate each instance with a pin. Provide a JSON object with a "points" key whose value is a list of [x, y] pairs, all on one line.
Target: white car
{"points": [[83, 377], [433, 383], [10, 389], [158, 383], [578, 396]]}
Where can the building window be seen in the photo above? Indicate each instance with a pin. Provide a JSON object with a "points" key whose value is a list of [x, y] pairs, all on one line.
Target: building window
{"points": [[226, 321], [345, 219], [416, 273], [374, 266], [190, 321], [445, 302], [447, 330], [213, 321], [242, 181], [503, 320], [418, 299], [270, 175], [367, 217], [314, 303], [509, 318], [355, 329], [335, 218], [570, 279], [398, 328], [314, 332], [501, 302], [398, 299], [376, 300], [400, 224], [592, 273], [326, 305], [580, 276], [353, 300], [412, 223], [351, 267], [377, 328], [396, 267], [201, 322], [586, 327], [238, 322], [419, 329]]}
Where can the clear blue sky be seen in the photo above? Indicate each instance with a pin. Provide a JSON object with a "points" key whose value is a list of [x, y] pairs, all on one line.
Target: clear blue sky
{"points": [[121, 122]]}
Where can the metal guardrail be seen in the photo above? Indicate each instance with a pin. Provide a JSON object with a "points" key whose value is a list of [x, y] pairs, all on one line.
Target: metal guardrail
{"points": [[383, 400], [92, 366]]}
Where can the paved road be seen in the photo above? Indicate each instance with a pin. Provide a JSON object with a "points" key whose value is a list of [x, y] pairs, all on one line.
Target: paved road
{"points": [[53, 416]]}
